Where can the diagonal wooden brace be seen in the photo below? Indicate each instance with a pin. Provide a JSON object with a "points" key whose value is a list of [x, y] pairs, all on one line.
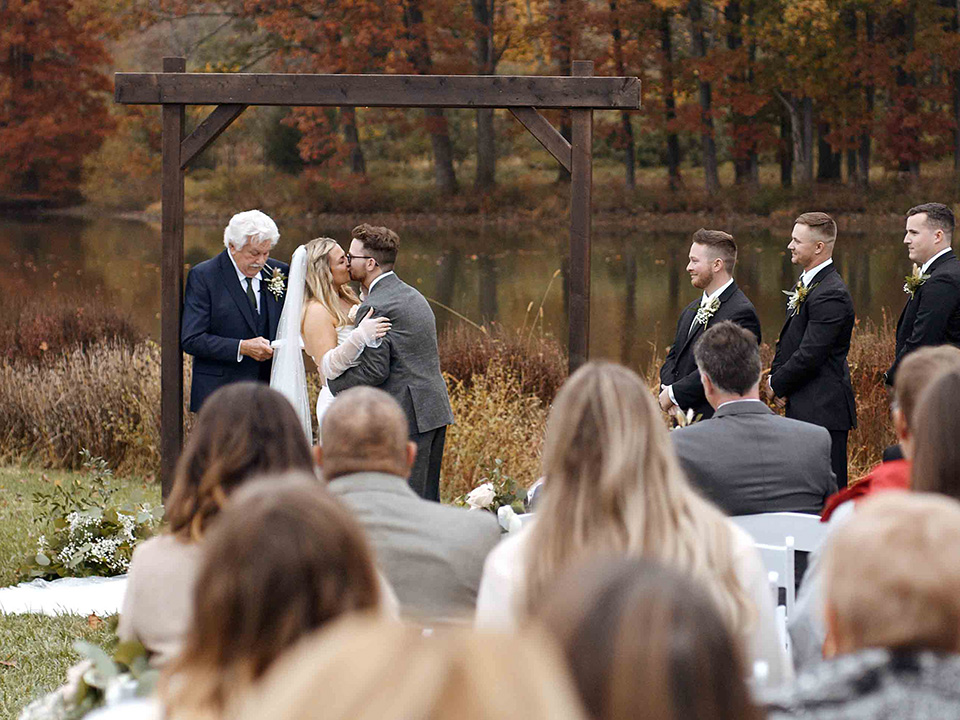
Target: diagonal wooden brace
{"points": [[208, 131], [548, 136]]}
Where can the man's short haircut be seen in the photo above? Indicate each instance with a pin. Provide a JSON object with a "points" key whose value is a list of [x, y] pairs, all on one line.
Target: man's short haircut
{"points": [[381, 243], [728, 354], [364, 430], [892, 573], [939, 216], [917, 371], [721, 243], [823, 226]]}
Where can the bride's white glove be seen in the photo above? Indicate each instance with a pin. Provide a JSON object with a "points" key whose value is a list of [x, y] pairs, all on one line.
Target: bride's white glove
{"points": [[369, 333]]}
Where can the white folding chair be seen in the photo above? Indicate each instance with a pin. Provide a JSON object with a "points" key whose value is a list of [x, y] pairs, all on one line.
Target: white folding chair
{"points": [[780, 617], [781, 559], [773, 528]]}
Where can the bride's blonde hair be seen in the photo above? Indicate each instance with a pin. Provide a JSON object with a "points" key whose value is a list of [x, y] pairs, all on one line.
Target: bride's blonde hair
{"points": [[319, 280], [614, 486]]}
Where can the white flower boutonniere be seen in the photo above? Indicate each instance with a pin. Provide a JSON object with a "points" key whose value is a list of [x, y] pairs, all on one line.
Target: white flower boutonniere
{"points": [[277, 284], [797, 296], [914, 280], [705, 312]]}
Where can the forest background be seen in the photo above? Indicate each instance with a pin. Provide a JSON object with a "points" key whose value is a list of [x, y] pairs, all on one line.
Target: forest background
{"points": [[748, 105]]}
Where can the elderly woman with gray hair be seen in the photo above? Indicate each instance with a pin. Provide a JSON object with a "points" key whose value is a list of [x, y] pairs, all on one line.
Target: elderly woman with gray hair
{"points": [[231, 307]]}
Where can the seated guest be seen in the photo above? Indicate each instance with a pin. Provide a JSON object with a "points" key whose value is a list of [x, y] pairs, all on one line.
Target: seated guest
{"points": [[432, 554], [644, 641], [362, 669], [891, 581], [746, 458], [243, 430], [919, 403], [284, 560], [917, 371], [612, 486]]}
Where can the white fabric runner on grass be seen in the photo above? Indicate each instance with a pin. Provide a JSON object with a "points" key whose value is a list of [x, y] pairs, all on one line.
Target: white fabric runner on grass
{"points": [[66, 596]]}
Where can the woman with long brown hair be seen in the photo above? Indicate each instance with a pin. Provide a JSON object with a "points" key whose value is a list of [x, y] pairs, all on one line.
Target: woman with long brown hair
{"points": [[613, 486], [320, 307], [243, 430], [644, 641], [285, 559]]}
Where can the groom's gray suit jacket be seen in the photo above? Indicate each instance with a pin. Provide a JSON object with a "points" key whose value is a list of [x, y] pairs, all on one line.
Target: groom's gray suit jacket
{"points": [[407, 364], [748, 460]]}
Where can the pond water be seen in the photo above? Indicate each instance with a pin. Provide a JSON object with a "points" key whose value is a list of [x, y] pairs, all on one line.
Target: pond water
{"points": [[639, 284]]}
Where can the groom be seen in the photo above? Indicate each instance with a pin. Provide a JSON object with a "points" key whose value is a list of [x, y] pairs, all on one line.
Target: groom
{"points": [[407, 364], [231, 307]]}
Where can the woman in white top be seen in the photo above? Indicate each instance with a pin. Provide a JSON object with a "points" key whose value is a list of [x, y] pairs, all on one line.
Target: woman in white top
{"points": [[613, 486], [321, 308]]}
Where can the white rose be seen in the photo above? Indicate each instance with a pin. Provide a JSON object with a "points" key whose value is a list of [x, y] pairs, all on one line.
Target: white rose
{"points": [[509, 520], [481, 497]]}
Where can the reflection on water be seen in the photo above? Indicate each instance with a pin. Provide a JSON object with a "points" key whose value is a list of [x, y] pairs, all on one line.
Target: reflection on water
{"points": [[639, 284]]}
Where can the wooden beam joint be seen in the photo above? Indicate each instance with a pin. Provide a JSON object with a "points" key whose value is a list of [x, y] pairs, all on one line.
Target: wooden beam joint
{"points": [[548, 136], [208, 131]]}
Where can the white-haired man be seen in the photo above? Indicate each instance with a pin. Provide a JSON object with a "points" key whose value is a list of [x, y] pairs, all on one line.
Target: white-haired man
{"points": [[231, 307]]}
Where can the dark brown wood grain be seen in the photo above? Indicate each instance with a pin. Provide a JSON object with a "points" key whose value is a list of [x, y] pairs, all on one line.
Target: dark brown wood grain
{"points": [[468, 91], [171, 296], [208, 131], [545, 133], [581, 189]]}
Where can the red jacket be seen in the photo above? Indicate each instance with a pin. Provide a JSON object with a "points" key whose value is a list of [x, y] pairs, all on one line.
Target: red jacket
{"points": [[894, 475]]}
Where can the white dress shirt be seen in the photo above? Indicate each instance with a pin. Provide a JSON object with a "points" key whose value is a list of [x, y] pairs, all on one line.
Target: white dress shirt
{"points": [[928, 263], [806, 277], [255, 280]]}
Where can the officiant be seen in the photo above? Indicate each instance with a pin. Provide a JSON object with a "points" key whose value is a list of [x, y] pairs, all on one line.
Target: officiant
{"points": [[231, 307]]}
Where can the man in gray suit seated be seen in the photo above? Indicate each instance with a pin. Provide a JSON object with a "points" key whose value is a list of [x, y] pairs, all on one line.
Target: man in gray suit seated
{"points": [[747, 459], [432, 554], [406, 364]]}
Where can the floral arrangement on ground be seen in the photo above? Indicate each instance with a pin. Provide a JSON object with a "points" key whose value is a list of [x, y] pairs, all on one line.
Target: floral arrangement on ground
{"points": [[81, 533], [499, 494]]}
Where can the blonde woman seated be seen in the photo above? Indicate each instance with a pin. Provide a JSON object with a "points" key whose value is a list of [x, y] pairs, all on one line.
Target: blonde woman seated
{"points": [[612, 486], [320, 307], [243, 430]]}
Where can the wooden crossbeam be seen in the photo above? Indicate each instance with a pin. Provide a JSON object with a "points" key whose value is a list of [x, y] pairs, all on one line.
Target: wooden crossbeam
{"points": [[466, 91], [546, 134], [208, 131]]}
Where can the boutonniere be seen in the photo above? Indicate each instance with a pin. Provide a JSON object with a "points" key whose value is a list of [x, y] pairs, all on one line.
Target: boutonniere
{"points": [[705, 312], [277, 282], [914, 280], [685, 419], [797, 296]]}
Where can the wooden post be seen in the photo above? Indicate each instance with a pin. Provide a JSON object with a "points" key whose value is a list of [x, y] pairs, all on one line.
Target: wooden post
{"points": [[171, 303], [581, 187]]}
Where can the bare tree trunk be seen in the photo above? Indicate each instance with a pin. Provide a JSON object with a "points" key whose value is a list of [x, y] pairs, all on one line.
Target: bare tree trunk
{"points": [[904, 26], [666, 73], [626, 127], [785, 150], [800, 112], [419, 57], [707, 142], [828, 162], [483, 14], [348, 116], [745, 152], [869, 96]]}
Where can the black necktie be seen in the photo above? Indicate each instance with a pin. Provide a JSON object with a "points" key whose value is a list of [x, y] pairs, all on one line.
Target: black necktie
{"points": [[252, 295]]}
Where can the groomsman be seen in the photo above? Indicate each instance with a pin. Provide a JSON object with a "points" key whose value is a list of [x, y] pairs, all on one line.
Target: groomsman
{"points": [[713, 256], [932, 313], [810, 367]]}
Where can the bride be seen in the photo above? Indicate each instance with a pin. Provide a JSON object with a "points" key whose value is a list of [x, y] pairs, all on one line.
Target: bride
{"points": [[318, 316]]}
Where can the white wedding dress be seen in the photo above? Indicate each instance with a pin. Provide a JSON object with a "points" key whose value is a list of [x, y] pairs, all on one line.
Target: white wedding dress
{"points": [[287, 374]]}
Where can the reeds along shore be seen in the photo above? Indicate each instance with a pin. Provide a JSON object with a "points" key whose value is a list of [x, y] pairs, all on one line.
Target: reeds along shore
{"points": [[104, 395]]}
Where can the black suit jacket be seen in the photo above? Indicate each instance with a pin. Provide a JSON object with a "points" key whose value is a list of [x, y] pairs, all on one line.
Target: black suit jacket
{"points": [[932, 316], [680, 369], [810, 366], [217, 315]]}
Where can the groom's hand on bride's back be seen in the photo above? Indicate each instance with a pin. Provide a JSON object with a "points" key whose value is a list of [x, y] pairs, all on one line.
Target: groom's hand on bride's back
{"points": [[257, 348]]}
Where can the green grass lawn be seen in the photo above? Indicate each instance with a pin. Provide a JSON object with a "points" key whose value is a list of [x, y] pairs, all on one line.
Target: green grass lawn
{"points": [[36, 650]]}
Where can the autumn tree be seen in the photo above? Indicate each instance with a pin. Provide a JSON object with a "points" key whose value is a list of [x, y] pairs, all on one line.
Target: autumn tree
{"points": [[53, 95]]}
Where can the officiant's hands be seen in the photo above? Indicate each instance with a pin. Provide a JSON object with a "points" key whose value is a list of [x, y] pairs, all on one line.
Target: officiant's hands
{"points": [[665, 402], [257, 348], [772, 396]]}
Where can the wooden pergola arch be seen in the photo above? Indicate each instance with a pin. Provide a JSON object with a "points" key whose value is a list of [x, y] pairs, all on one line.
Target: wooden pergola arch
{"points": [[232, 93]]}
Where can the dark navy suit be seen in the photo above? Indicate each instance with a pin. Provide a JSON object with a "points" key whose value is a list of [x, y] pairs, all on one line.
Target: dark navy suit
{"points": [[217, 315]]}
